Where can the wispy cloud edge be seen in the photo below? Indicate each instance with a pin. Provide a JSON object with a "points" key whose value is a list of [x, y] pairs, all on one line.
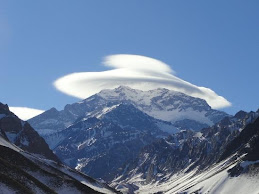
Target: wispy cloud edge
{"points": [[139, 72]]}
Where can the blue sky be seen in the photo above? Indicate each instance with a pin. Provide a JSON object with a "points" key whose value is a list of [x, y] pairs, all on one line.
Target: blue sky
{"points": [[213, 44]]}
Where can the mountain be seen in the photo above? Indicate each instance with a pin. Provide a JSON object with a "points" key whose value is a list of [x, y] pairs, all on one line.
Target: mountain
{"points": [[184, 111], [100, 145], [165, 104], [22, 134], [190, 155], [22, 172], [124, 115]]}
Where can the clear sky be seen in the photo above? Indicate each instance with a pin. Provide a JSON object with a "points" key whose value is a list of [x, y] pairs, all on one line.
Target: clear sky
{"points": [[214, 44]]}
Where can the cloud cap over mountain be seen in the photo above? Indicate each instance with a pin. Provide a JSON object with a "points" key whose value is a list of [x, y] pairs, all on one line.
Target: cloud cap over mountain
{"points": [[138, 72]]}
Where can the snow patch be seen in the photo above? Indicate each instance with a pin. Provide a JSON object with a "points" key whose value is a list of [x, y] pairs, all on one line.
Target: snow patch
{"points": [[86, 143]]}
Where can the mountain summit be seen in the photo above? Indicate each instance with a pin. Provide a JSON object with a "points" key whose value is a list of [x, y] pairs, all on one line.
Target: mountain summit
{"points": [[165, 104]]}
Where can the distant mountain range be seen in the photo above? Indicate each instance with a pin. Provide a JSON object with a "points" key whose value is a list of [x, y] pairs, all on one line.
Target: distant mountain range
{"points": [[156, 141], [99, 134]]}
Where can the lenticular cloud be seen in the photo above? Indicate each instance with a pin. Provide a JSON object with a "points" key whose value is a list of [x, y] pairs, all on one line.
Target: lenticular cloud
{"points": [[138, 72]]}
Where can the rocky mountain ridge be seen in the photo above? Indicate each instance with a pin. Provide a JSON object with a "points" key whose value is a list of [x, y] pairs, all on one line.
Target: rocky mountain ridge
{"points": [[185, 111], [189, 151]]}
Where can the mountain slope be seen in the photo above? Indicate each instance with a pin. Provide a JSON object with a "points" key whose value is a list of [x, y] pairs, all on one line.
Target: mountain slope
{"points": [[186, 151], [24, 173], [99, 146], [22, 134], [25, 165], [216, 179], [241, 166]]}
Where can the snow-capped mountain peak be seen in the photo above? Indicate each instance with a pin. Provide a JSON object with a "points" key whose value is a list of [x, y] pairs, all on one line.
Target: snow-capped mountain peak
{"points": [[165, 104]]}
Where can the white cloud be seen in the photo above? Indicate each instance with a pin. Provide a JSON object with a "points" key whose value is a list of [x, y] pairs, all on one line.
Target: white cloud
{"points": [[135, 71], [25, 113]]}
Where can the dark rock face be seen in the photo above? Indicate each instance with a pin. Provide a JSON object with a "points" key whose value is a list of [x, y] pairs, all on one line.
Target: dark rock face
{"points": [[246, 147], [247, 142], [4, 109], [22, 173], [22, 134]]}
